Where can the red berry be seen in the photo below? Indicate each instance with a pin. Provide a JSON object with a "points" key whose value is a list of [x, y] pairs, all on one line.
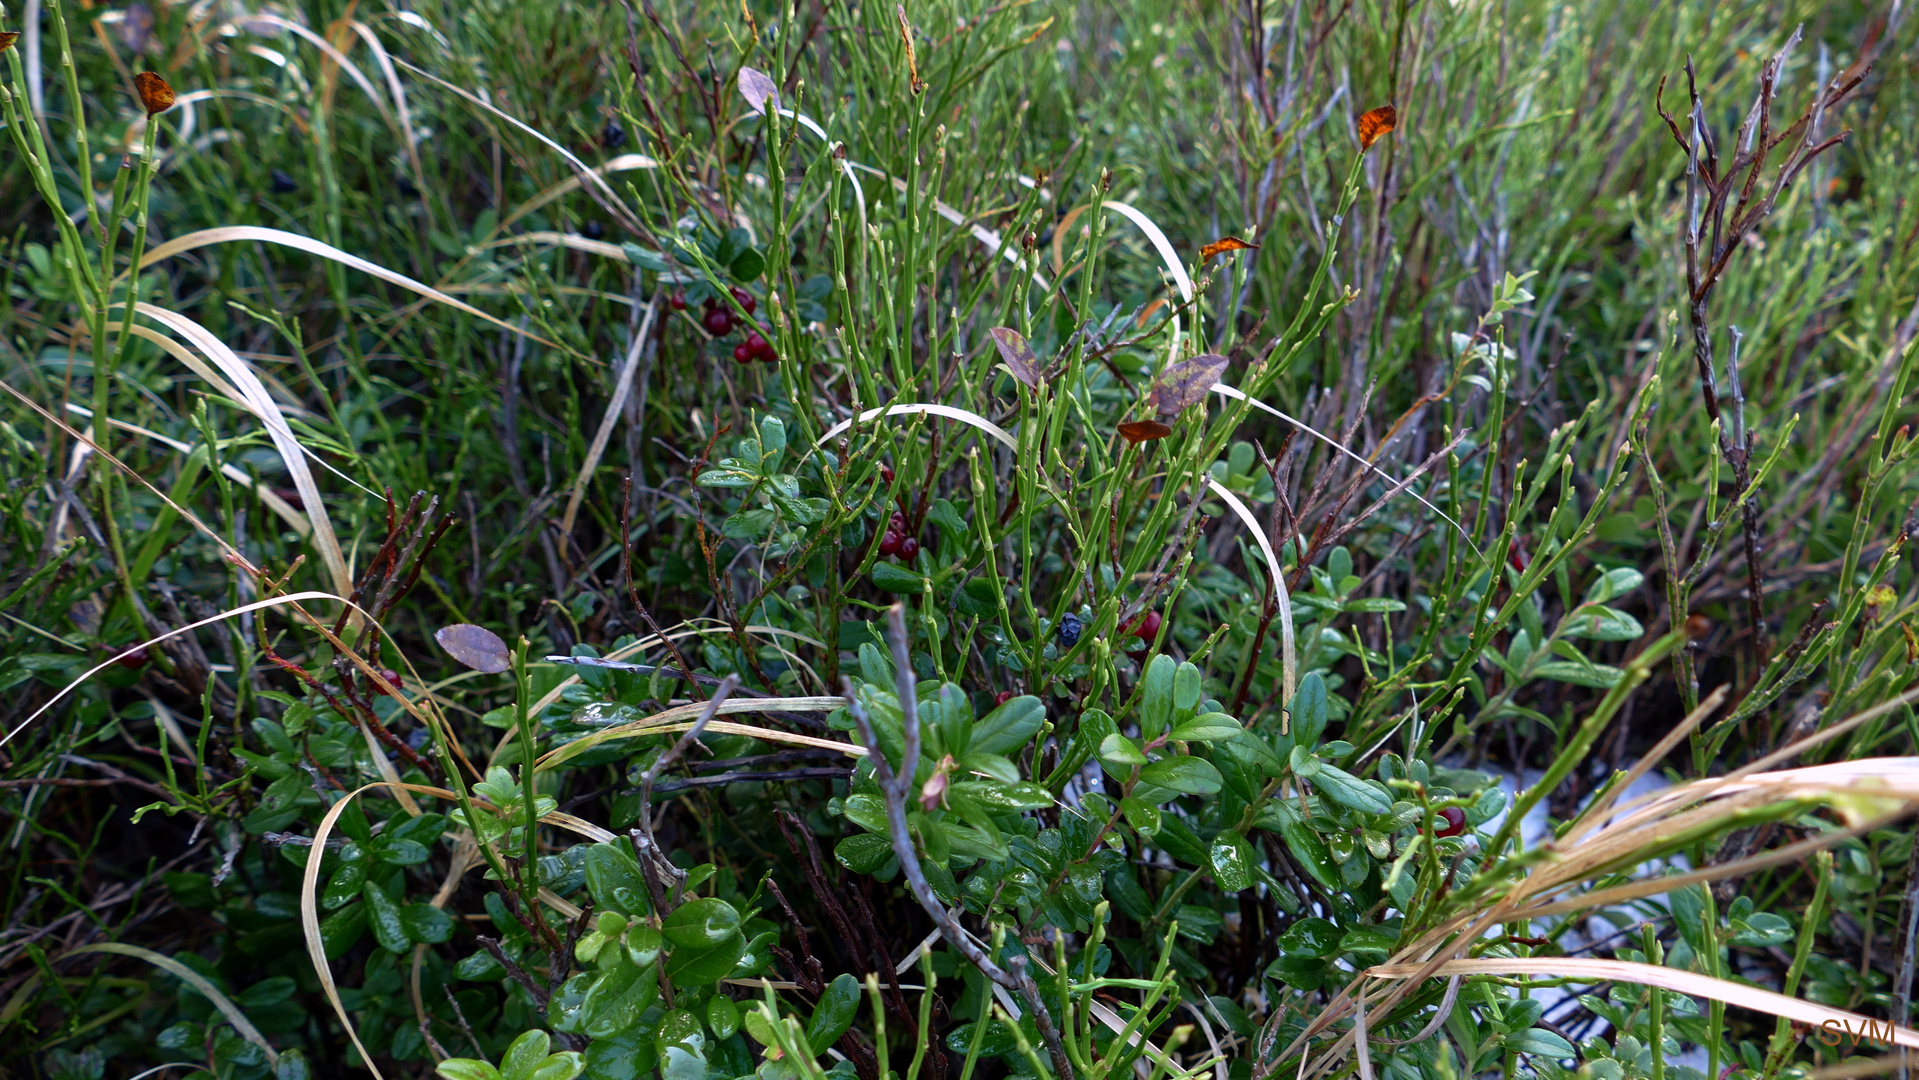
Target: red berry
{"points": [[391, 676], [718, 322], [909, 547], [899, 521], [743, 354], [890, 543], [745, 299], [886, 473], [1146, 627], [757, 343], [133, 659], [1454, 822], [677, 300], [1002, 697]]}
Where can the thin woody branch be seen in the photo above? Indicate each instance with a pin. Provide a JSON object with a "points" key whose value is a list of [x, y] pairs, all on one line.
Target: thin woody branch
{"points": [[898, 790]]}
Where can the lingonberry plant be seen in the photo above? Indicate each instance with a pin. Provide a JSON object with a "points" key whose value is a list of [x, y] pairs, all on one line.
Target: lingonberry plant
{"points": [[955, 540]]}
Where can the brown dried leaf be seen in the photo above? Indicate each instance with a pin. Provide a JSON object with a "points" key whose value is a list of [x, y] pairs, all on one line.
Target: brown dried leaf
{"points": [[758, 89], [7, 38], [1186, 384], [1018, 355], [1139, 431], [912, 58], [1374, 123], [475, 646], [1224, 244], [156, 96]]}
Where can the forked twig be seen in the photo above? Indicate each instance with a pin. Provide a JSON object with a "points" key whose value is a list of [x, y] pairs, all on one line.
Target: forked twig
{"points": [[898, 789]]}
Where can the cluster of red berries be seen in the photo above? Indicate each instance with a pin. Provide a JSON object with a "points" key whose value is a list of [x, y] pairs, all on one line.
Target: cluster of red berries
{"points": [[718, 320], [895, 541]]}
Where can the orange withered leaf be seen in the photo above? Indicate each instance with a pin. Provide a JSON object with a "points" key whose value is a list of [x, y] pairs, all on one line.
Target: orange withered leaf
{"points": [[1224, 244], [1139, 431], [1375, 123], [156, 96], [912, 58], [7, 38]]}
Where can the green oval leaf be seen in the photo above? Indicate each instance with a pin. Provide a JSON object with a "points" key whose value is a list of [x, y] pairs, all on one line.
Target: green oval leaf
{"points": [[1233, 861], [702, 923], [1186, 775], [698, 967]]}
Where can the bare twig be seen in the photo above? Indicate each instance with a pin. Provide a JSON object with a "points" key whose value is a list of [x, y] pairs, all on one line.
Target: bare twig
{"points": [[1723, 207], [898, 790], [652, 859]]}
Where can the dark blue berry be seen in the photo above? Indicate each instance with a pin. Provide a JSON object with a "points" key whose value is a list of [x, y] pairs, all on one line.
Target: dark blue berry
{"points": [[1069, 629], [614, 136], [284, 184]]}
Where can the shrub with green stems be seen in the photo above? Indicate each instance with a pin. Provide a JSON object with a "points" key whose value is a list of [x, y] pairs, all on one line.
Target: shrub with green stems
{"points": [[953, 539]]}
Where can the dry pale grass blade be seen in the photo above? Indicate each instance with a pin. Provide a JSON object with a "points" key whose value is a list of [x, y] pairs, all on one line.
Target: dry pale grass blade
{"points": [[911, 408], [1871, 794], [228, 234], [759, 91], [194, 97], [429, 717], [1116, 1024], [494, 288], [1174, 268], [292, 454], [623, 163], [295, 520], [150, 642], [988, 237], [622, 386], [1788, 753], [772, 735], [635, 648], [465, 857], [560, 239], [607, 197], [1288, 663], [1873, 789], [1695, 791], [1792, 853], [398, 90], [419, 22], [310, 906], [1681, 982], [284, 400], [1866, 1067], [177, 349], [84, 445], [664, 719], [1594, 815], [158, 1069], [1240, 395], [335, 55], [185, 974]]}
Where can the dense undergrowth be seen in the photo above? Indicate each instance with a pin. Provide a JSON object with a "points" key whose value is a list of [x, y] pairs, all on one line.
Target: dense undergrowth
{"points": [[1083, 512]]}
